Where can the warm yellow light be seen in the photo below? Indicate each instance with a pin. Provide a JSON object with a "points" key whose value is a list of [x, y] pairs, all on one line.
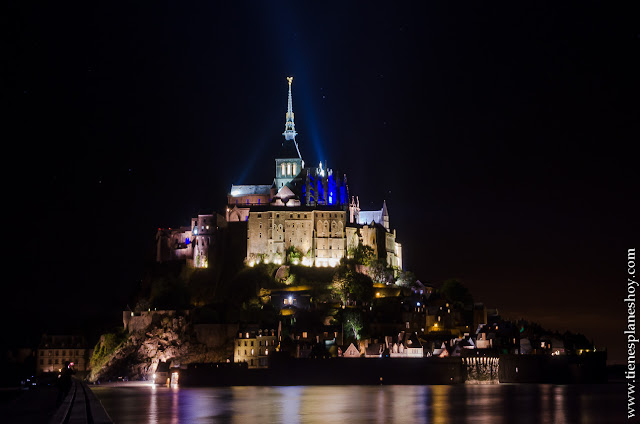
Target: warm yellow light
{"points": [[435, 325], [290, 79]]}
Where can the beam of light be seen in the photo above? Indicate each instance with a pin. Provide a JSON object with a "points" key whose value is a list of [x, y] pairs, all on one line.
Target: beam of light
{"points": [[252, 155]]}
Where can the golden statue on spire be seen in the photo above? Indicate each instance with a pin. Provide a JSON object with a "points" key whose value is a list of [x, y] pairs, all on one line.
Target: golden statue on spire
{"points": [[290, 79]]}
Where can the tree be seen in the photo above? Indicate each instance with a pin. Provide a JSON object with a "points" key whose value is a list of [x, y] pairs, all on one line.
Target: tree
{"points": [[362, 254], [455, 292], [406, 279], [353, 323], [380, 272], [293, 254], [350, 285]]}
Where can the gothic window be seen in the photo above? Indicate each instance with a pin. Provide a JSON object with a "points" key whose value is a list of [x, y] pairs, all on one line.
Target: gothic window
{"points": [[283, 170], [294, 169], [288, 169]]}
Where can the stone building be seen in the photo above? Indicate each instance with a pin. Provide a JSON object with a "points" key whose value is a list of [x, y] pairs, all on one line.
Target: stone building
{"points": [[54, 350], [189, 243], [254, 346]]}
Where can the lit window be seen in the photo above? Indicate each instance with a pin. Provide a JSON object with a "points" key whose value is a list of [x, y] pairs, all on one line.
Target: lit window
{"points": [[304, 334], [294, 169], [283, 170], [288, 169], [252, 351]]}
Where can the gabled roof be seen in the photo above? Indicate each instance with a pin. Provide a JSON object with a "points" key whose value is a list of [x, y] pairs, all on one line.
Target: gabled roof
{"points": [[285, 192], [245, 190], [415, 342], [367, 217]]}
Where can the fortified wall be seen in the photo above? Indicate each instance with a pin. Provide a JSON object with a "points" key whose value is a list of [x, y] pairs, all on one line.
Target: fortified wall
{"points": [[138, 321]]}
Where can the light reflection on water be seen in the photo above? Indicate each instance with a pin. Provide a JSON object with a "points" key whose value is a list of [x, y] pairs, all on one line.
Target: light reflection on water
{"points": [[505, 403]]}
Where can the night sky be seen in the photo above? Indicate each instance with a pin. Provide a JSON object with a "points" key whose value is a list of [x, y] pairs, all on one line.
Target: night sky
{"points": [[501, 136]]}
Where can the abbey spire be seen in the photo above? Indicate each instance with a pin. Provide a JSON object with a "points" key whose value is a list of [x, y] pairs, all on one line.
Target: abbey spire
{"points": [[289, 126], [289, 161]]}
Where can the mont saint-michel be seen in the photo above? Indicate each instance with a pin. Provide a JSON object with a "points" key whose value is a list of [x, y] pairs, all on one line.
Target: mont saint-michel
{"points": [[292, 282]]}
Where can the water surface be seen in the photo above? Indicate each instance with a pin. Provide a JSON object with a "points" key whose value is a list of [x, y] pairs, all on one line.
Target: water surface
{"points": [[504, 403]]}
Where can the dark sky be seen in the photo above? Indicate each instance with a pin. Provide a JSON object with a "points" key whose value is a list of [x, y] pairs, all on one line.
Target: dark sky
{"points": [[502, 137]]}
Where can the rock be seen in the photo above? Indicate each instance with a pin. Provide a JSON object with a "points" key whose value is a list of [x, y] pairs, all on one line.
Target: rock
{"points": [[139, 355]]}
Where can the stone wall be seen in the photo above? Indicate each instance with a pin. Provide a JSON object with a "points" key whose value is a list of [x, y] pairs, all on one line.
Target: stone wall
{"points": [[215, 335], [138, 321]]}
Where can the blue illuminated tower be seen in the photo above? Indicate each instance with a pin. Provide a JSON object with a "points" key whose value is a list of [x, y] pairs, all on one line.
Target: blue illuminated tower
{"points": [[289, 162]]}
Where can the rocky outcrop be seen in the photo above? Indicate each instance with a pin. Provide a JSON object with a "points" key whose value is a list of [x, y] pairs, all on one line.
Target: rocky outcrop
{"points": [[170, 339]]}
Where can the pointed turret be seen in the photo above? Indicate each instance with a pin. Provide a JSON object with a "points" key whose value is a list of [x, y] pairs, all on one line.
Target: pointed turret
{"points": [[385, 215]]}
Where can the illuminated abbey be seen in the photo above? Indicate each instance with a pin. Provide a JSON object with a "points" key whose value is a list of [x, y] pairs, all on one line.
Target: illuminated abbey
{"points": [[305, 214]]}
